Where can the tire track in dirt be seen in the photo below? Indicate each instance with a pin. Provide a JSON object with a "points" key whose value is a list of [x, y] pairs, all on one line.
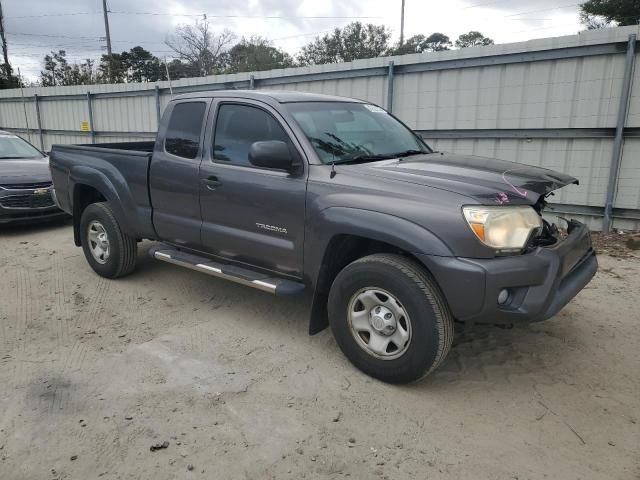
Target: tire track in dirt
{"points": [[5, 308], [59, 300], [19, 324], [74, 360]]}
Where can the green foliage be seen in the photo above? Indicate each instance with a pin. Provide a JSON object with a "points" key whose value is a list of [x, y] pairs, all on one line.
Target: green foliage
{"points": [[7, 79], [59, 72], [472, 39], [179, 69], [112, 69], [602, 13], [436, 42], [255, 54], [136, 65], [352, 42]]}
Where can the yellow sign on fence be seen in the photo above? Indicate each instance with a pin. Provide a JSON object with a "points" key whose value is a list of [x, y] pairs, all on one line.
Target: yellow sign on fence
{"points": [[84, 126]]}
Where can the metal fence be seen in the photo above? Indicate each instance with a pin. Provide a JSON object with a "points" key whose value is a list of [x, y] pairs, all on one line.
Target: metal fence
{"points": [[566, 103]]}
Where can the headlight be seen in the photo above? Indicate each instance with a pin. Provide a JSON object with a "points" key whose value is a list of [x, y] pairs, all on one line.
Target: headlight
{"points": [[506, 229]]}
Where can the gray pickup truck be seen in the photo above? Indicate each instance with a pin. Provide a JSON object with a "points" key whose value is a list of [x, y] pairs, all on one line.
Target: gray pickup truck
{"points": [[290, 192]]}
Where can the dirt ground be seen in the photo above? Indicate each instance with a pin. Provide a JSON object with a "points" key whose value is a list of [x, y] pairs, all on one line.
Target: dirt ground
{"points": [[94, 372]]}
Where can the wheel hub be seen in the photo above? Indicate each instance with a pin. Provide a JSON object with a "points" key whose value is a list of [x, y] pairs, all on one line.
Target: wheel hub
{"points": [[379, 323], [98, 242], [382, 320]]}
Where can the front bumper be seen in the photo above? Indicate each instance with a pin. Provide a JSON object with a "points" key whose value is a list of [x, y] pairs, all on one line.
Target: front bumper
{"points": [[540, 283]]}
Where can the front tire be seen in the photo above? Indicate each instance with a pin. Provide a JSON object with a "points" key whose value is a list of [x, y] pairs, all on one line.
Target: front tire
{"points": [[389, 318], [110, 252]]}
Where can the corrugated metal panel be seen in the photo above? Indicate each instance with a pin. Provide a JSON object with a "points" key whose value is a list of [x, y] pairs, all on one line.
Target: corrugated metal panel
{"points": [[125, 114], [51, 139], [13, 115], [629, 177], [573, 93], [63, 114], [371, 89]]}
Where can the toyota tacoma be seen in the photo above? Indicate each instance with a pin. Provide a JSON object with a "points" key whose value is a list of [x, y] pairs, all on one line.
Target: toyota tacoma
{"points": [[291, 192]]}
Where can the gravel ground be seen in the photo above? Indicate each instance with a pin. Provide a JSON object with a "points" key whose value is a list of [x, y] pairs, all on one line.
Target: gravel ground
{"points": [[226, 382]]}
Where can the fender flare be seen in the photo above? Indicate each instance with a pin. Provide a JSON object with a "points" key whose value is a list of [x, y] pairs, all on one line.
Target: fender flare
{"points": [[333, 221], [92, 177]]}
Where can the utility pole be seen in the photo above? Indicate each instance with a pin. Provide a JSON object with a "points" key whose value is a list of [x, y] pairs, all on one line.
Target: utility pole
{"points": [[105, 12], [106, 26], [402, 24], [5, 53]]}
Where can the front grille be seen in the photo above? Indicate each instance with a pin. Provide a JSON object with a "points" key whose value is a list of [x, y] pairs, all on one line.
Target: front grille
{"points": [[25, 186], [27, 201]]}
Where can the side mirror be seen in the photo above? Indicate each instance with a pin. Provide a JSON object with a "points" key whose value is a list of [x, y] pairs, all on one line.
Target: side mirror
{"points": [[271, 154]]}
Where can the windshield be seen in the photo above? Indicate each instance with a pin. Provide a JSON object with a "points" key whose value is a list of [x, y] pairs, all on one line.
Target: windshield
{"points": [[12, 147], [343, 132]]}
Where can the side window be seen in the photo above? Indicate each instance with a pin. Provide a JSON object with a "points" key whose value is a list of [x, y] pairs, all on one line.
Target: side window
{"points": [[237, 127], [183, 133]]}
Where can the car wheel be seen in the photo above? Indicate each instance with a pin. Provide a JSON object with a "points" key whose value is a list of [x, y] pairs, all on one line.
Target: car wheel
{"points": [[389, 318], [110, 252]]}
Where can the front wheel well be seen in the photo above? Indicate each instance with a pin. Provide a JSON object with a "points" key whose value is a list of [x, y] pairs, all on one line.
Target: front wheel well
{"points": [[340, 252], [83, 196]]}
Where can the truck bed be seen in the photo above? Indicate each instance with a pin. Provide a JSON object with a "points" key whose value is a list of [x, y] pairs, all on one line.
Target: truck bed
{"points": [[119, 171]]}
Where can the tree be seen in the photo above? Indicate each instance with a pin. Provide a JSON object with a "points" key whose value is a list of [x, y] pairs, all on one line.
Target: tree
{"points": [[112, 69], [179, 69], [142, 65], [200, 47], [435, 42], [352, 42], [136, 65], [8, 81], [602, 13], [254, 54], [59, 72], [7, 78], [594, 22], [472, 39]]}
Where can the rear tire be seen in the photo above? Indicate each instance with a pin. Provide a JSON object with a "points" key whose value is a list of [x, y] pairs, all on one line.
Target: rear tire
{"points": [[110, 252], [389, 318]]}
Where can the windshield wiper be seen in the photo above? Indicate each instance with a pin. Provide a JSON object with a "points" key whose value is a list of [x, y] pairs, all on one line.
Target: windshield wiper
{"points": [[363, 158], [386, 156], [407, 153]]}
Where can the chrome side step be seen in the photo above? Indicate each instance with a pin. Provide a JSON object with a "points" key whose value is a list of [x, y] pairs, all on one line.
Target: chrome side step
{"points": [[261, 281]]}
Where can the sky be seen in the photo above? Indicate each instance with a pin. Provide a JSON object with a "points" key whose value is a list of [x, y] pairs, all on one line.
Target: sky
{"points": [[34, 27]]}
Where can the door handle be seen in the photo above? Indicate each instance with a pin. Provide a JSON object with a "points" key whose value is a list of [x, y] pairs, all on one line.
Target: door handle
{"points": [[212, 182]]}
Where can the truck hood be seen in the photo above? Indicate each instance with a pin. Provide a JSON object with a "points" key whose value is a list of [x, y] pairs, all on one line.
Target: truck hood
{"points": [[487, 180], [32, 170]]}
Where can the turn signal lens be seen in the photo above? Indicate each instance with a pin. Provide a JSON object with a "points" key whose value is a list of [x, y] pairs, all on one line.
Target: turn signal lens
{"points": [[478, 229]]}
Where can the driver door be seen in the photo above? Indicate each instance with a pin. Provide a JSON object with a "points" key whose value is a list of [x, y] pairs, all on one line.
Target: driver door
{"points": [[250, 215]]}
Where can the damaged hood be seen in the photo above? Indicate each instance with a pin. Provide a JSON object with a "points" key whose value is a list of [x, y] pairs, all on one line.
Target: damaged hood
{"points": [[487, 180]]}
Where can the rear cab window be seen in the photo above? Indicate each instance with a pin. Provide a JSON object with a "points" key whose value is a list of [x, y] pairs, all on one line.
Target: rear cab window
{"points": [[183, 132]]}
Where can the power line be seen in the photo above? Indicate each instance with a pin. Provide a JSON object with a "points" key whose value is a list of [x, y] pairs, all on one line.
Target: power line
{"points": [[485, 4], [53, 15], [142, 41], [543, 10], [271, 17], [52, 36]]}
